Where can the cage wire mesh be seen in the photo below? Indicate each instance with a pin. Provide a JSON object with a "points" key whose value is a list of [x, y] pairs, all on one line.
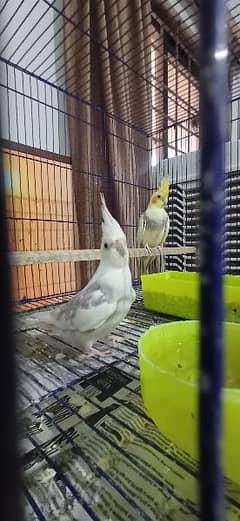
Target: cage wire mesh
{"points": [[102, 95], [104, 98]]}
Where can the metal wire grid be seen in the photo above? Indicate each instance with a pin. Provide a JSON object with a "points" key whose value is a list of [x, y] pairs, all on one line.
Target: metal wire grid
{"points": [[52, 69], [32, 378], [43, 375], [183, 18], [48, 371], [27, 51], [35, 79], [41, 212], [39, 377]]}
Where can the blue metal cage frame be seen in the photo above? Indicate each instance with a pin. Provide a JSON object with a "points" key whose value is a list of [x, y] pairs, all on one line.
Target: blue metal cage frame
{"points": [[42, 96]]}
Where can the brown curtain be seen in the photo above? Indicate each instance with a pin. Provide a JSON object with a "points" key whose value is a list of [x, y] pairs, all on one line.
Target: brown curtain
{"points": [[108, 74]]}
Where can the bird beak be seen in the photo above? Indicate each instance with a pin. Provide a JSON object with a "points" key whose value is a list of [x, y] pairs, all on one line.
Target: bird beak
{"points": [[120, 247]]}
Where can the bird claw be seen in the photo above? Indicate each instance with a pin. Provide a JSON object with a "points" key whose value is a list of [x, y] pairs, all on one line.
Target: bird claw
{"points": [[114, 343], [148, 249], [99, 354]]}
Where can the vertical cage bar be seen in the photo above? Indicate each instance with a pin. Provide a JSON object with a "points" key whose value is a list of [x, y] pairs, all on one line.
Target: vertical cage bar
{"points": [[165, 97], [213, 127], [9, 477]]}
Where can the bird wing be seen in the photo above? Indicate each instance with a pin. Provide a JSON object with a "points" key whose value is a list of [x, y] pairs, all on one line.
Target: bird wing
{"points": [[154, 233], [165, 229], [141, 229], [151, 231], [88, 310]]}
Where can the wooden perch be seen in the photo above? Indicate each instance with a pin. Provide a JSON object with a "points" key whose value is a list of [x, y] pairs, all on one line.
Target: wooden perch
{"points": [[26, 258]]}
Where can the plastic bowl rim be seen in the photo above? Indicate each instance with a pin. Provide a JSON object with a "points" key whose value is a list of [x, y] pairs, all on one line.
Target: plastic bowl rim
{"points": [[168, 373]]}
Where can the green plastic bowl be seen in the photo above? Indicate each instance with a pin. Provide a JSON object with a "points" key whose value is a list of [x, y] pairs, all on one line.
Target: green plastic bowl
{"points": [[177, 294], [169, 381]]}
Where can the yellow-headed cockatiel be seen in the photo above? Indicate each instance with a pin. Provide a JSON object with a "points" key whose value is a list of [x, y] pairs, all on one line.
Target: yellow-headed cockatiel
{"points": [[154, 224]]}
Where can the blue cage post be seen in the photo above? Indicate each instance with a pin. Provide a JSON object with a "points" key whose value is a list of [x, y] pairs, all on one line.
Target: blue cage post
{"points": [[214, 53], [10, 475]]}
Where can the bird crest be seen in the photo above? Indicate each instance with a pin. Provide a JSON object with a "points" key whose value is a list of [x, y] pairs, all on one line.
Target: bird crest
{"points": [[163, 188], [160, 198], [110, 227]]}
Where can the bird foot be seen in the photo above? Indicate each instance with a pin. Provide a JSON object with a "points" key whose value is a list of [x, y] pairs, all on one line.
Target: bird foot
{"points": [[148, 249], [99, 354], [114, 343]]}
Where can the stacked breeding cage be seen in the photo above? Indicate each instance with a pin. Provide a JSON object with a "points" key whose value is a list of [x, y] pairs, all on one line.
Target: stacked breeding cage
{"points": [[101, 96]]}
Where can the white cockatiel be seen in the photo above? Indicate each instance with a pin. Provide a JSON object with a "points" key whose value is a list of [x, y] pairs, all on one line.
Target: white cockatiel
{"points": [[96, 310], [154, 224]]}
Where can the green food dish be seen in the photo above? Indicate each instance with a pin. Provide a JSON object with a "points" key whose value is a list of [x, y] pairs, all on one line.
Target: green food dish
{"points": [[169, 381], [177, 294]]}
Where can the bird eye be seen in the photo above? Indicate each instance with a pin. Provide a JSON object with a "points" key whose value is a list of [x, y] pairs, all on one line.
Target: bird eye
{"points": [[106, 245], [159, 196]]}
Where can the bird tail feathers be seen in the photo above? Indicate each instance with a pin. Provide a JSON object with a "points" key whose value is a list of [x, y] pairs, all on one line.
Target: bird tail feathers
{"points": [[41, 321]]}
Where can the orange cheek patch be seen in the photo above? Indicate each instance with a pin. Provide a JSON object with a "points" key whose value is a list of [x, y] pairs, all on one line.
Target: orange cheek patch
{"points": [[154, 199]]}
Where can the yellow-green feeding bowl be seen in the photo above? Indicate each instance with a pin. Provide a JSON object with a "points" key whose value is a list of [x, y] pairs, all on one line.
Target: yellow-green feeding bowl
{"points": [[177, 294], [169, 379]]}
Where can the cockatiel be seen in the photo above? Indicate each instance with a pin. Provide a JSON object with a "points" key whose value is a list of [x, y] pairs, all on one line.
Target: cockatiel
{"points": [[154, 224], [96, 310]]}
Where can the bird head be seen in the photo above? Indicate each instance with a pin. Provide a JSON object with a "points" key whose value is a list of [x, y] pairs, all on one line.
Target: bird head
{"points": [[114, 249], [160, 198]]}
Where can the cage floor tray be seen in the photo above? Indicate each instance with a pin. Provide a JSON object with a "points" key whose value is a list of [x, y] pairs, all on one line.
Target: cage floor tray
{"points": [[176, 293], [169, 375], [89, 450]]}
